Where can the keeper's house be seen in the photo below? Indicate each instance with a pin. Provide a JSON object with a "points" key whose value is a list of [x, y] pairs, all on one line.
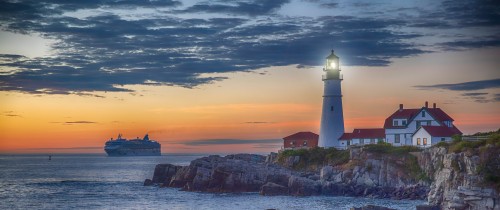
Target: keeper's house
{"points": [[421, 127]]}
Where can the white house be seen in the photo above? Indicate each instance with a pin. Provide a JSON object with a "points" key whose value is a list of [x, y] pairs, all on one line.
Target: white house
{"points": [[420, 127], [427, 136], [402, 124]]}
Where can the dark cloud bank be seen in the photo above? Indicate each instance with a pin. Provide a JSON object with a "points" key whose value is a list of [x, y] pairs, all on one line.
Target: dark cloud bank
{"points": [[481, 97], [104, 52]]}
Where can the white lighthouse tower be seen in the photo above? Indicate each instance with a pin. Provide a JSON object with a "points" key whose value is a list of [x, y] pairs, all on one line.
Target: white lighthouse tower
{"points": [[332, 117]]}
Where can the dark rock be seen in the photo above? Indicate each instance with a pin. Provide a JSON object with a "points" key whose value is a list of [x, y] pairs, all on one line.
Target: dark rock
{"points": [[164, 173], [427, 207], [371, 207], [272, 189], [148, 182], [232, 173], [301, 186]]}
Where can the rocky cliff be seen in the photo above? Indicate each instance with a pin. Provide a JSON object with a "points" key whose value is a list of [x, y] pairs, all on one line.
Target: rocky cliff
{"points": [[449, 180], [457, 179]]}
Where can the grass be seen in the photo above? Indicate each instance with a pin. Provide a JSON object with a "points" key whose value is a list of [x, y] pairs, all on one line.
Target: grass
{"points": [[314, 158], [386, 148]]}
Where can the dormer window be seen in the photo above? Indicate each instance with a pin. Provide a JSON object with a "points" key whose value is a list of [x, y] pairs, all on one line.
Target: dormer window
{"points": [[423, 113], [395, 123], [404, 122]]}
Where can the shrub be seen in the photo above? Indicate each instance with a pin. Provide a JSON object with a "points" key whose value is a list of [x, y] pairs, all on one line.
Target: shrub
{"points": [[442, 144]]}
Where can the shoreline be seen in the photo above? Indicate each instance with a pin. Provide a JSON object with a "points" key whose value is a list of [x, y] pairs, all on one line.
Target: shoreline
{"points": [[370, 173]]}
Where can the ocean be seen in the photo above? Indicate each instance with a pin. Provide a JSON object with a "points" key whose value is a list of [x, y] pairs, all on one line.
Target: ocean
{"points": [[95, 181]]}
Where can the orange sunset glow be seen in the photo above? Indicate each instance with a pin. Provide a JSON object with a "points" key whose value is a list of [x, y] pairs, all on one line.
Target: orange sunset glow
{"points": [[203, 82]]}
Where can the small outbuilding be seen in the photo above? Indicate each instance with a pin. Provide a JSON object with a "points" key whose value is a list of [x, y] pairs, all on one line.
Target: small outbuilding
{"points": [[301, 140], [427, 136], [362, 136]]}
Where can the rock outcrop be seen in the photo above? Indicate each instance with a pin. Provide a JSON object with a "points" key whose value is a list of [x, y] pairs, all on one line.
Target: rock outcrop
{"points": [[371, 175], [456, 181], [450, 181], [371, 207]]}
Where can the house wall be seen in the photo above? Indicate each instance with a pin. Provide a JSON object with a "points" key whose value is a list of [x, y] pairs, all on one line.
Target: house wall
{"points": [[299, 143], [436, 139], [364, 141], [421, 133], [343, 144]]}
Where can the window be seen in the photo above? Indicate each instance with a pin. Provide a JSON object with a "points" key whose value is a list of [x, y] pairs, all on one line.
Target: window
{"points": [[425, 141], [372, 141], [395, 123], [305, 143], [442, 139], [418, 124], [348, 142], [423, 114], [396, 138], [380, 140], [361, 141], [418, 141], [404, 122], [331, 108], [292, 142]]}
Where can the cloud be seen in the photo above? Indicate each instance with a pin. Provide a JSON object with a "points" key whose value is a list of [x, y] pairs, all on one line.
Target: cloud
{"points": [[257, 122], [242, 7], [75, 122], [206, 142], [102, 49], [480, 97], [474, 94], [64, 148], [497, 97], [465, 86], [11, 114], [493, 41]]}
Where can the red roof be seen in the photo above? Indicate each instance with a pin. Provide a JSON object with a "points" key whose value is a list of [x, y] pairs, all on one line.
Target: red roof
{"points": [[302, 135], [438, 114], [346, 136], [365, 133], [400, 114], [441, 131]]}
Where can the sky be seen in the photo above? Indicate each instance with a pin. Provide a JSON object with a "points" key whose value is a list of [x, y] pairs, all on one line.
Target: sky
{"points": [[235, 76]]}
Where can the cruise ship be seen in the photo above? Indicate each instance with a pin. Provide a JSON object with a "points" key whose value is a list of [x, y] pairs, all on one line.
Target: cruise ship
{"points": [[134, 147]]}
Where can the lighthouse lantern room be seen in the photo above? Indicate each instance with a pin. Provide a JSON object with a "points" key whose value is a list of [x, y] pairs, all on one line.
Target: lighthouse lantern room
{"points": [[332, 117]]}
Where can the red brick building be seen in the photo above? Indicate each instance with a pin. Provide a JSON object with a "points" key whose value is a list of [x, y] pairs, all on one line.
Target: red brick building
{"points": [[301, 140]]}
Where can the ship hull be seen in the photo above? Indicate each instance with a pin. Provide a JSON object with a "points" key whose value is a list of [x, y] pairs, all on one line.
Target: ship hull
{"points": [[134, 152]]}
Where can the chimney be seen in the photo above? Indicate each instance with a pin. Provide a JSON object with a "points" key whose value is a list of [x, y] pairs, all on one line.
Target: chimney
{"points": [[434, 105], [426, 104], [400, 107]]}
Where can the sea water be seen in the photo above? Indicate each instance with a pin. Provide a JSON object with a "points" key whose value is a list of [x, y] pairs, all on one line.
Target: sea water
{"points": [[101, 182]]}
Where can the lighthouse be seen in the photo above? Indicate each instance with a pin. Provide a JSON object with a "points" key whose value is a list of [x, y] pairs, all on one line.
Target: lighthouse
{"points": [[332, 117]]}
